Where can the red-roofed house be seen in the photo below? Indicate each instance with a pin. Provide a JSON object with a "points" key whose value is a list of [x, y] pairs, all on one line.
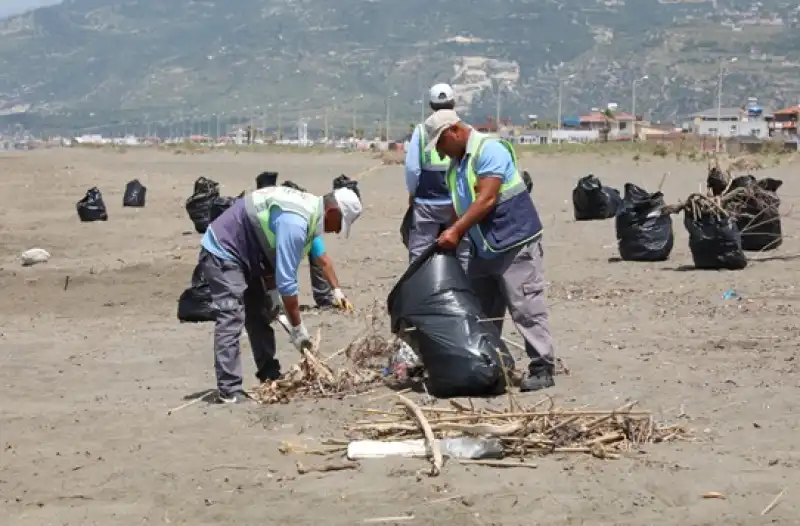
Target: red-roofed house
{"points": [[784, 122], [621, 125]]}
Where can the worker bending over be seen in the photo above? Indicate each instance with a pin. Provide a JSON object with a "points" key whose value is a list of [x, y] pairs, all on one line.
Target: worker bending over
{"points": [[259, 242]]}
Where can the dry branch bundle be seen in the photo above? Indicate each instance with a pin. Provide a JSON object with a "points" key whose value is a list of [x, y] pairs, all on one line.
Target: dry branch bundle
{"points": [[314, 377], [526, 431]]}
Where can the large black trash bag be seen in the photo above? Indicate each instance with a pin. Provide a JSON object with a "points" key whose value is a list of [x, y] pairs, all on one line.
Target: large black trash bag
{"points": [[405, 225], [715, 242], [265, 179], [643, 233], [198, 206], [195, 304], [135, 194], [345, 182], [91, 207], [591, 200], [756, 207], [461, 354]]}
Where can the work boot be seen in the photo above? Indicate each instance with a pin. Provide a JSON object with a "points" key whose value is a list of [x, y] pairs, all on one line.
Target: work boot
{"points": [[239, 397], [540, 376]]}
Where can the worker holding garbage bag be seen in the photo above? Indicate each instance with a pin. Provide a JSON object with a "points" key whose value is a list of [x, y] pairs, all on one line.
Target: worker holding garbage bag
{"points": [[259, 243], [494, 209]]}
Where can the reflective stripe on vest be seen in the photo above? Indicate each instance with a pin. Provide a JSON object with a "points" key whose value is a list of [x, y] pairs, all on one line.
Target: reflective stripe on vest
{"points": [[259, 204], [508, 190], [430, 161]]}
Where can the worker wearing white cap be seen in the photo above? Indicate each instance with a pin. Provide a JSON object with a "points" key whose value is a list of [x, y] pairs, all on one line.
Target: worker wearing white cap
{"points": [[430, 204], [263, 238]]}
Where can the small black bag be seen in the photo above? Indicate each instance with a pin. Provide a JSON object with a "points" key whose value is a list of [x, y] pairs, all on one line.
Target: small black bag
{"points": [[91, 207], [643, 232], [195, 304], [757, 212], [265, 179], [592, 201], [198, 206], [135, 194]]}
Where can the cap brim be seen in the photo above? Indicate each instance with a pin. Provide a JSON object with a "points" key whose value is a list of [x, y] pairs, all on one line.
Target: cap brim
{"points": [[435, 139]]}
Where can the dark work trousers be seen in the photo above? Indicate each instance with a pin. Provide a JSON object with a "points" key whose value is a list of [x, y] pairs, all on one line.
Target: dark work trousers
{"points": [[322, 290], [515, 282], [241, 303]]}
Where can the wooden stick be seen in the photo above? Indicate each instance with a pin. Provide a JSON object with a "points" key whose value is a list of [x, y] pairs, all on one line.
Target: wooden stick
{"points": [[324, 468], [436, 452], [400, 518], [499, 463], [774, 503], [191, 402]]}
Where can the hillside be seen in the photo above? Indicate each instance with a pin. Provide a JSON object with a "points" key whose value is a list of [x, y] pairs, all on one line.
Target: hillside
{"points": [[86, 62]]}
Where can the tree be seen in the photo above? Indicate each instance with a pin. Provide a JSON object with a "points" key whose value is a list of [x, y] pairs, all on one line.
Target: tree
{"points": [[608, 116]]}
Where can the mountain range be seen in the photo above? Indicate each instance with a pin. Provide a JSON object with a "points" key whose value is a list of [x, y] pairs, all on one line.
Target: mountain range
{"points": [[86, 63]]}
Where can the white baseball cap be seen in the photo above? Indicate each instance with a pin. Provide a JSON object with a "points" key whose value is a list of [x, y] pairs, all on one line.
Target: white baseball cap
{"points": [[437, 123], [441, 93], [349, 205]]}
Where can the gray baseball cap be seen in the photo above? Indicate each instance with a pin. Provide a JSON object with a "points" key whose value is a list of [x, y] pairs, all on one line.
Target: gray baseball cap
{"points": [[438, 123]]}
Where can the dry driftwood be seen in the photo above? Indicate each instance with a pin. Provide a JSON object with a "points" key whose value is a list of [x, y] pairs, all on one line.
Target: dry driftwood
{"points": [[314, 377], [324, 468], [526, 431]]}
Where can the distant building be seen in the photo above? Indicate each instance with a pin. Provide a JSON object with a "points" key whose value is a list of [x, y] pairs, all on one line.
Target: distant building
{"points": [[784, 122], [750, 121]]}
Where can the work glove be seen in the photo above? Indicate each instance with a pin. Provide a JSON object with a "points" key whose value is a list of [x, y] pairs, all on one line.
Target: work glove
{"points": [[340, 301], [300, 338], [276, 302]]}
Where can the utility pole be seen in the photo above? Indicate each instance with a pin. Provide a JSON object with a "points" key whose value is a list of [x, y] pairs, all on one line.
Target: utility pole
{"points": [[326, 125], [633, 107]]}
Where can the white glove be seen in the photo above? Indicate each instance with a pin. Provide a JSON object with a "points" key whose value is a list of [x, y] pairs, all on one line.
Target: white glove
{"points": [[340, 300], [276, 301], [300, 338]]}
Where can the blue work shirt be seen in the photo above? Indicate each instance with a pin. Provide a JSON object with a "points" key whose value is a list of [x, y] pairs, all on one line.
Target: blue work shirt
{"points": [[494, 161], [414, 170], [290, 239]]}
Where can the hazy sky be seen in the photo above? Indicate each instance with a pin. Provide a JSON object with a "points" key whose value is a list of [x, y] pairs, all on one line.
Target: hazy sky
{"points": [[12, 7]]}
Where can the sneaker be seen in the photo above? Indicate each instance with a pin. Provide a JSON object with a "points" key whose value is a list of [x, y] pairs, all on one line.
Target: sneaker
{"points": [[540, 376], [239, 397]]}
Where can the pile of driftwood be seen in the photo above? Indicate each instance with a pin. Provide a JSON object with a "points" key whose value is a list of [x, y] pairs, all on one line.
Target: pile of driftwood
{"points": [[523, 431], [313, 377]]}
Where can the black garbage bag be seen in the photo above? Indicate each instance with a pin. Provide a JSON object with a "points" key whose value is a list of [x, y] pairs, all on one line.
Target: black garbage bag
{"points": [[715, 242], [345, 182], [756, 207], [135, 194], [715, 181], [195, 304], [290, 184], [591, 200], [643, 233], [198, 206], [462, 355], [405, 225], [528, 180], [91, 207], [265, 179]]}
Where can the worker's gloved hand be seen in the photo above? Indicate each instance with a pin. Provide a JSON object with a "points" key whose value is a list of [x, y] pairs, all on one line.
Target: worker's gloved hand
{"points": [[300, 338], [276, 302], [340, 301]]}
